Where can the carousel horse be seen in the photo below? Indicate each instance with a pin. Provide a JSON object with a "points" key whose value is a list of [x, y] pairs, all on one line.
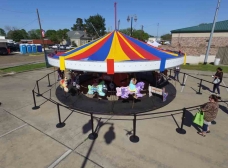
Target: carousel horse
{"points": [[63, 84], [124, 92], [100, 89]]}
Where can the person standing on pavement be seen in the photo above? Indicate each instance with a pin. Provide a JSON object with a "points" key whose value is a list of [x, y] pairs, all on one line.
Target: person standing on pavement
{"points": [[176, 72], [210, 110], [217, 80]]}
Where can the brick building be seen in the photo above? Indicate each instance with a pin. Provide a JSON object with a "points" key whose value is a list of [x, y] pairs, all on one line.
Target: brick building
{"points": [[36, 41], [196, 38]]}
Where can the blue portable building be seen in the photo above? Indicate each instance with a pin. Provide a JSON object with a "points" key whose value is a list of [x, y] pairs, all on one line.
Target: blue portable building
{"points": [[39, 48], [34, 49], [29, 48], [23, 49]]}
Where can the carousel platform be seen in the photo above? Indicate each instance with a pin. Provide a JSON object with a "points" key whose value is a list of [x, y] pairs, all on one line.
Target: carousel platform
{"points": [[113, 105]]}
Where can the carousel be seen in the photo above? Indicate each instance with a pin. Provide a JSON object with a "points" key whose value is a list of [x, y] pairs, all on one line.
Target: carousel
{"points": [[115, 74]]}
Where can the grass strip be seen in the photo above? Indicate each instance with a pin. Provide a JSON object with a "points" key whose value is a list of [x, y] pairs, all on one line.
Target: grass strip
{"points": [[207, 67], [23, 68]]}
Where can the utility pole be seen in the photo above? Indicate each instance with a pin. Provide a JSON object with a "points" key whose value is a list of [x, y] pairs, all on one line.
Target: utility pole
{"points": [[157, 32], [42, 39], [212, 31]]}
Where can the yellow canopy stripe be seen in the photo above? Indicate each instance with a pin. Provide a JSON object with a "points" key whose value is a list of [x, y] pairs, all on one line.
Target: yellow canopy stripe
{"points": [[84, 49], [130, 46], [116, 51]]}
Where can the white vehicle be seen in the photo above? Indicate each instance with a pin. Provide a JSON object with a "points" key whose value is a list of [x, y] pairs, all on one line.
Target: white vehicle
{"points": [[69, 47], [55, 46]]}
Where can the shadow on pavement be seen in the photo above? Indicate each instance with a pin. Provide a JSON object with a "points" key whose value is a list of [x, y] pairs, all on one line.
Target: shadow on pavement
{"points": [[189, 121]]}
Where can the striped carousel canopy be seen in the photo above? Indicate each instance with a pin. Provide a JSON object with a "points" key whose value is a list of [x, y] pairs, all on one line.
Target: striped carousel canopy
{"points": [[119, 48]]}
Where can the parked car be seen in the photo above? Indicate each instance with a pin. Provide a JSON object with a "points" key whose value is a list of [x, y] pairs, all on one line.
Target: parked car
{"points": [[50, 47], [56, 46], [69, 47], [3, 51], [62, 47]]}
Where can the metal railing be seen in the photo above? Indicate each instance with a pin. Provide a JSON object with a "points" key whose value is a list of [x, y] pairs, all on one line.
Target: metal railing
{"points": [[134, 138]]}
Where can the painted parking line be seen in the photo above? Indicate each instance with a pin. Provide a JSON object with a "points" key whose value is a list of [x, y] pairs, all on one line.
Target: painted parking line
{"points": [[60, 159], [13, 130]]}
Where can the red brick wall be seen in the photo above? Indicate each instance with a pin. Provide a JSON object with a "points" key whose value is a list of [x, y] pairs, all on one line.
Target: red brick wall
{"points": [[46, 42], [196, 45], [199, 41]]}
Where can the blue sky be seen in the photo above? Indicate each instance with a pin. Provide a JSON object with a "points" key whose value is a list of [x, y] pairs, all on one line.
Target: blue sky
{"points": [[56, 14]]}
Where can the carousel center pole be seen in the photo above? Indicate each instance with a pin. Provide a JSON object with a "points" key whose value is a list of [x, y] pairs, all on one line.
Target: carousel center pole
{"points": [[115, 15]]}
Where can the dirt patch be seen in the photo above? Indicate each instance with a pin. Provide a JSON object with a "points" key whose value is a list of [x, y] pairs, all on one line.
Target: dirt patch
{"points": [[18, 59]]}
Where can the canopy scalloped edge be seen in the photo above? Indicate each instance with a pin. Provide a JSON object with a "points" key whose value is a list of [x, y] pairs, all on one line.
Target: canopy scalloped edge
{"points": [[119, 67]]}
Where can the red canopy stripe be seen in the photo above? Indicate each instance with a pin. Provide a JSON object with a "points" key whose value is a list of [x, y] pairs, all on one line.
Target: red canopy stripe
{"points": [[128, 51], [90, 51], [142, 51]]}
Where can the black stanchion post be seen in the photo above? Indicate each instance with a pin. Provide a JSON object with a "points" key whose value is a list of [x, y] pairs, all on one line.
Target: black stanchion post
{"points": [[183, 80], [134, 138], [170, 72], [180, 130], [200, 85], [93, 135], [60, 124], [34, 99], [38, 89], [49, 85]]}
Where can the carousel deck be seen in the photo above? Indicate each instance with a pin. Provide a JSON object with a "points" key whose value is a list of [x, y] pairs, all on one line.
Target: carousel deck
{"points": [[112, 104]]}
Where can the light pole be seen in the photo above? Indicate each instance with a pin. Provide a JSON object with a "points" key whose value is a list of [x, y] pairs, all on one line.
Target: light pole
{"points": [[118, 24], [212, 31], [131, 18]]}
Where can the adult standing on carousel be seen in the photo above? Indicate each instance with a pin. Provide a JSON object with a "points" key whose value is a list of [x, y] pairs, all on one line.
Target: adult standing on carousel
{"points": [[217, 80]]}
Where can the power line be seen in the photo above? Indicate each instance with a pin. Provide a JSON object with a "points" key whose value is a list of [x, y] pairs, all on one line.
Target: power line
{"points": [[16, 11], [29, 23]]}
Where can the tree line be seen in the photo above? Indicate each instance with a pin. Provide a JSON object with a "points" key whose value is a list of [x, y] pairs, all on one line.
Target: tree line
{"points": [[94, 27]]}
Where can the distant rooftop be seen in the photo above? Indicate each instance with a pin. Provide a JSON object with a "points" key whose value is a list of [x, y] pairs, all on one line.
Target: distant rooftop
{"points": [[221, 26]]}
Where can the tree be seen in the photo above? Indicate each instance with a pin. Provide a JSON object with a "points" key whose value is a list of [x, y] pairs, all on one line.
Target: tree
{"points": [[166, 37], [34, 34], [2, 32], [24, 34], [79, 25], [9, 34], [62, 34], [17, 35], [57, 36], [126, 31], [99, 24], [138, 34], [52, 35]]}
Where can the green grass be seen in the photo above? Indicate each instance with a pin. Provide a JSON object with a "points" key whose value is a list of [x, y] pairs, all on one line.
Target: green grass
{"points": [[201, 67], [37, 54], [23, 68]]}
